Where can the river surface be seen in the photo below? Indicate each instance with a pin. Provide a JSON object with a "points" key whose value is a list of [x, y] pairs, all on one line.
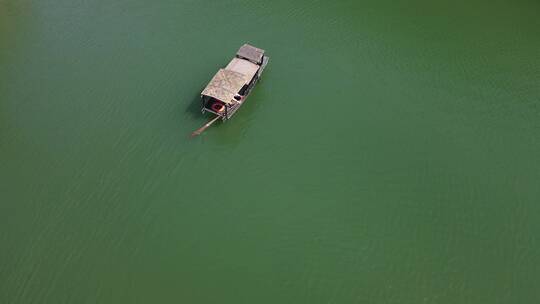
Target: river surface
{"points": [[390, 154]]}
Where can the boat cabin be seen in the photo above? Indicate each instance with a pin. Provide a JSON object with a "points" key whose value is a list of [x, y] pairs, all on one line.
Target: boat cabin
{"points": [[231, 85]]}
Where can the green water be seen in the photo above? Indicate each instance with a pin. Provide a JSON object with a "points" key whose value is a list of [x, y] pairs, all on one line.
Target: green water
{"points": [[390, 154]]}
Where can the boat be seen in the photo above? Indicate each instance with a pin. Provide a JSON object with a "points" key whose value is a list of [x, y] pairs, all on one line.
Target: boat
{"points": [[230, 86]]}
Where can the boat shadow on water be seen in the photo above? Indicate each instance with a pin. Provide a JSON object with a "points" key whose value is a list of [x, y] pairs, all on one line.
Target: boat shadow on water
{"points": [[194, 107]]}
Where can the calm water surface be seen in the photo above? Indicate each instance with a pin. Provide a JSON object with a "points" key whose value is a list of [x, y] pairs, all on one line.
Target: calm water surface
{"points": [[391, 153]]}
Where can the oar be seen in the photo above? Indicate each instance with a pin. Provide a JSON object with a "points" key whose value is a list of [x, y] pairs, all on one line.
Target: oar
{"points": [[208, 124]]}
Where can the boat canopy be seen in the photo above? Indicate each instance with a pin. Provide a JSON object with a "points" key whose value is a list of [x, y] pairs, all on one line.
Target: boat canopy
{"points": [[251, 53], [225, 85], [244, 67]]}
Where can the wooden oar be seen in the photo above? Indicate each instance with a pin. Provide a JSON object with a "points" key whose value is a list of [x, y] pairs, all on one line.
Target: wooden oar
{"points": [[208, 124]]}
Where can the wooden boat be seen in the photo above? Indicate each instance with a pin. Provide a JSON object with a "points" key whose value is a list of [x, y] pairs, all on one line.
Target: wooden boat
{"points": [[229, 88]]}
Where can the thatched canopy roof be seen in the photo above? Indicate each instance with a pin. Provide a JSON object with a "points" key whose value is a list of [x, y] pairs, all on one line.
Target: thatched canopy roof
{"points": [[225, 85]]}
